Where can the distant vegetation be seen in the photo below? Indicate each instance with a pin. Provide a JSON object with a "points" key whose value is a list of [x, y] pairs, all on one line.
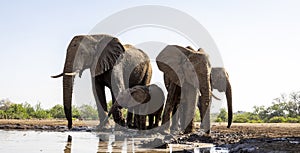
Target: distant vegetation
{"points": [[10, 110], [285, 109]]}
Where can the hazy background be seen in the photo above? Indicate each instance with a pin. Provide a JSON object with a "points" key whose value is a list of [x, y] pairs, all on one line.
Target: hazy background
{"points": [[258, 40]]}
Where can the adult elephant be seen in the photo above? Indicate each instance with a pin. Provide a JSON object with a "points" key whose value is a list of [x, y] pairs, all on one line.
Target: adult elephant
{"points": [[111, 64], [186, 72], [145, 101], [220, 81]]}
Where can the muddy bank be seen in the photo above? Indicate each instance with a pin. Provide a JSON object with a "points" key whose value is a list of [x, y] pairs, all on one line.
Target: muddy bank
{"points": [[283, 137]]}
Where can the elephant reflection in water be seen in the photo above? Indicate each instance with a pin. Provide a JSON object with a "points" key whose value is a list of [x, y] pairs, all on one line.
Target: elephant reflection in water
{"points": [[68, 145]]}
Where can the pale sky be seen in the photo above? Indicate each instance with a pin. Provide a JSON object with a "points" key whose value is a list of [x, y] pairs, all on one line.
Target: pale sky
{"points": [[258, 40]]}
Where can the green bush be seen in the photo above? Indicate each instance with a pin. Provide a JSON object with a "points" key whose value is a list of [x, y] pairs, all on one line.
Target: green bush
{"points": [[223, 115], [197, 115], [256, 121], [41, 114], [277, 119], [3, 114], [218, 120], [88, 112], [240, 118], [57, 111], [292, 120]]}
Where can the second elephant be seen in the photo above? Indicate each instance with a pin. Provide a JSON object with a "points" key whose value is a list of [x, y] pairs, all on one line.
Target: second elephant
{"points": [[186, 71]]}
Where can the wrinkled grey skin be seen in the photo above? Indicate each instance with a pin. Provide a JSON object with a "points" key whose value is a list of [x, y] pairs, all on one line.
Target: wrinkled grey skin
{"points": [[111, 64], [186, 72], [144, 101], [220, 81]]}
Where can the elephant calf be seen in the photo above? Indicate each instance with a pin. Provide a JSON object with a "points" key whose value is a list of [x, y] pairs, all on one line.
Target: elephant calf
{"points": [[143, 101]]}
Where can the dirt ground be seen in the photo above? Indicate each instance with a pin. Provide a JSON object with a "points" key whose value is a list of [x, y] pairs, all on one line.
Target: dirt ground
{"points": [[242, 137]]}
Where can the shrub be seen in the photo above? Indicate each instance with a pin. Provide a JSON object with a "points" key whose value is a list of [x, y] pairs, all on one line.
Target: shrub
{"points": [[240, 118], [277, 119], [197, 115], [57, 111], [223, 115], [218, 120], [3, 114], [292, 120], [256, 121]]}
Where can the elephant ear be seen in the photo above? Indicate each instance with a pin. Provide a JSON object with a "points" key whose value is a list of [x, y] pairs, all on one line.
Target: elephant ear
{"points": [[218, 79], [170, 61], [109, 51]]}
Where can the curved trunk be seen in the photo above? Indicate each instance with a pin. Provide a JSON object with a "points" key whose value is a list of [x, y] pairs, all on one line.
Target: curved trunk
{"points": [[229, 102]]}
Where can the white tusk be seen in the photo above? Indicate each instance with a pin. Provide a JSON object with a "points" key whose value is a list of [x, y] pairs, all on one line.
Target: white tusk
{"points": [[72, 73]]}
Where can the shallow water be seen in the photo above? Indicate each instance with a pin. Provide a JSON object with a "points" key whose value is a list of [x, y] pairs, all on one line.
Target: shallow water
{"points": [[78, 142]]}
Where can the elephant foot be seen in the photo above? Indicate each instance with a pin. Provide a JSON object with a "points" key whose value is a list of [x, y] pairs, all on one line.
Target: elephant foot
{"points": [[105, 128], [119, 127]]}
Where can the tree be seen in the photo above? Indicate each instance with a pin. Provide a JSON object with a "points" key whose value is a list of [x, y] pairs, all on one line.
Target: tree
{"points": [[222, 115], [88, 112], [40, 113], [57, 111]]}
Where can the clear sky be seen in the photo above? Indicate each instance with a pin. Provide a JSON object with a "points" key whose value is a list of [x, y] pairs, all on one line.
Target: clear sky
{"points": [[258, 40]]}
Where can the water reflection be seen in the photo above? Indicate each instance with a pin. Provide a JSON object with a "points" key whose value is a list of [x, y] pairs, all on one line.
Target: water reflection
{"points": [[116, 143], [69, 144]]}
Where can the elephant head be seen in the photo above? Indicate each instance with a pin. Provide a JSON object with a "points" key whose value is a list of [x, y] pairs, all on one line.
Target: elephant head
{"points": [[185, 65], [99, 53], [220, 81]]}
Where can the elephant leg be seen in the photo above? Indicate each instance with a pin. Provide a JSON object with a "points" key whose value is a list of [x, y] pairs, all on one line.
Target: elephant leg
{"points": [[99, 94], [199, 108], [151, 120], [189, 102], [117, 114], [136, 118], [176, 110], [157, 119], [168, 107], [205, 115], [129, 118], [142, 122]]}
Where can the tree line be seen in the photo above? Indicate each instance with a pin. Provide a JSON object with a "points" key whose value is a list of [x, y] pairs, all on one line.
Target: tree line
{"points": [[10, 110], [284, 109]]}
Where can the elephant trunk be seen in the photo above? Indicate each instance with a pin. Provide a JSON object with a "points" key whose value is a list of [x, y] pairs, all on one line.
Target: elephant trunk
{"points": [[229, 102], [68, 81]]}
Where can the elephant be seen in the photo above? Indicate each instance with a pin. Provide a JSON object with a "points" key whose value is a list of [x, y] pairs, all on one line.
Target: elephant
{"points": [[111, 65], [186, 72], [220, 81], [145, 101]]}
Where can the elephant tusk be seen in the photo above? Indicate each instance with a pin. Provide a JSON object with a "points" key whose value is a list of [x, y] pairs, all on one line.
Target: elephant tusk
{"points": [[72, 73], [57, 76], [215, 97]]}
